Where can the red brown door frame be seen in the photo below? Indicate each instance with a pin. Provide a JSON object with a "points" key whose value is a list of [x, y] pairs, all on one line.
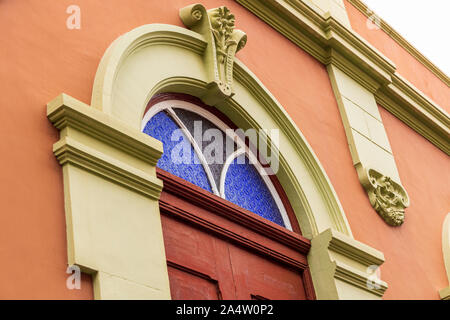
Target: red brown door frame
{"points": [[196, 208]]}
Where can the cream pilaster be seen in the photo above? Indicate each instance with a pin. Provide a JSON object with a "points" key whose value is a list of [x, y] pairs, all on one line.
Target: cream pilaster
{"points": [[445, 293], [345, 269], [111, 201]]}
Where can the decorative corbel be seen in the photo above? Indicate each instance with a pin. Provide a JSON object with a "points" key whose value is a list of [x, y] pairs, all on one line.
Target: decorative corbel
{"points": [[388, 198], [217, 26], [369, 145]]}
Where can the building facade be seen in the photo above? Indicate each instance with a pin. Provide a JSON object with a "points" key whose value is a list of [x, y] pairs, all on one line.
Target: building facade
{"points": [[277, 149]]}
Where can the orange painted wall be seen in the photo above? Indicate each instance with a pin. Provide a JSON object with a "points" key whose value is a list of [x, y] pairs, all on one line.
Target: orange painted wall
{"points": [[40, 58], [407, 66], [415, 268], [414, 265]]}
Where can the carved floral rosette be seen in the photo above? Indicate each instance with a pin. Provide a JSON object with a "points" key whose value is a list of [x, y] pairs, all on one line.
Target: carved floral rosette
{"points": [[387, 197], [218, 27]]}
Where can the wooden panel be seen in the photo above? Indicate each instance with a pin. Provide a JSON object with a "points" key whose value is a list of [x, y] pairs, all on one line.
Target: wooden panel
{"points": [[202, 266], [192, 249], [189, 247], [186, 284], [216, 250], [256, 276]]}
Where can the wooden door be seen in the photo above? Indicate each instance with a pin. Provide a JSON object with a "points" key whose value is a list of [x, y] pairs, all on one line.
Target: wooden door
{"points": [[216, 250]]}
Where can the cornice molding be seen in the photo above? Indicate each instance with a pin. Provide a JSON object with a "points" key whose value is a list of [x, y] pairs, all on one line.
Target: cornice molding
{"points": [[417, 111], [364, 9], [351, 248], [65, 111], [330, 42], [319, 35], [359, 279], [345, 259], [70, 151], [68, 114]]}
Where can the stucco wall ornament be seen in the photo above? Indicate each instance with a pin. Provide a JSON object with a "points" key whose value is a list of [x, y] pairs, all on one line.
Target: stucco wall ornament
{"points": [[218, 27], [387, 197]]}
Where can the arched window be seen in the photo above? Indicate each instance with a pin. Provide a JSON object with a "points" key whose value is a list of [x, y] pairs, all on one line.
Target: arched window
{"points": [[204, 150]]}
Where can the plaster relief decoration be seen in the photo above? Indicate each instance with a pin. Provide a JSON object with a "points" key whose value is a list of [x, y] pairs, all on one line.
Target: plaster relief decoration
{"points": [[370, 147], [218, 27], [387, 197]]}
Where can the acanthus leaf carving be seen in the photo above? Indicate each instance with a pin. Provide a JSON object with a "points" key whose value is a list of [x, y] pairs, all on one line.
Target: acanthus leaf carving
{"points": [[388, 198], [218, 27]]}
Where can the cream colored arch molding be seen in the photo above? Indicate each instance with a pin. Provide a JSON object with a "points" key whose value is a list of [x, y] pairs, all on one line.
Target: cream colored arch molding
{"points": [[110, 187], [445, 293]]}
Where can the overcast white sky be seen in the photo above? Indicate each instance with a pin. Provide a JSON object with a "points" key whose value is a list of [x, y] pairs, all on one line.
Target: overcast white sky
{"points": [[425, 24]]}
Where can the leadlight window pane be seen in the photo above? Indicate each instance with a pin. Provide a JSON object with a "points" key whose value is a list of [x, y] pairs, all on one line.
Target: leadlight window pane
{"points": [[215, 139], [245, 187], [162, 127]]}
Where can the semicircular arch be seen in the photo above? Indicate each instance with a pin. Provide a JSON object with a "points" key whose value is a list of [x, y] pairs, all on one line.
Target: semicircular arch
{"points": [[132, 71]]}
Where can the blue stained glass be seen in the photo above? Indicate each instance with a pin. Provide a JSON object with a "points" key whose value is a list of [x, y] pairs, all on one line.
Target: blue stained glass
{"points": [[215, 161], [245, 187], [161, 127]]}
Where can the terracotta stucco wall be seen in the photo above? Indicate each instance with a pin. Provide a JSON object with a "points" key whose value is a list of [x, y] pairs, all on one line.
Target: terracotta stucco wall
{"points": [[414, 265], [41, 58], [407, 66]]}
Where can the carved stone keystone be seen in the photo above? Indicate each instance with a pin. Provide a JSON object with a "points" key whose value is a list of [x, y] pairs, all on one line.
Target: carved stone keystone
{"points": [[217, 26]]}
